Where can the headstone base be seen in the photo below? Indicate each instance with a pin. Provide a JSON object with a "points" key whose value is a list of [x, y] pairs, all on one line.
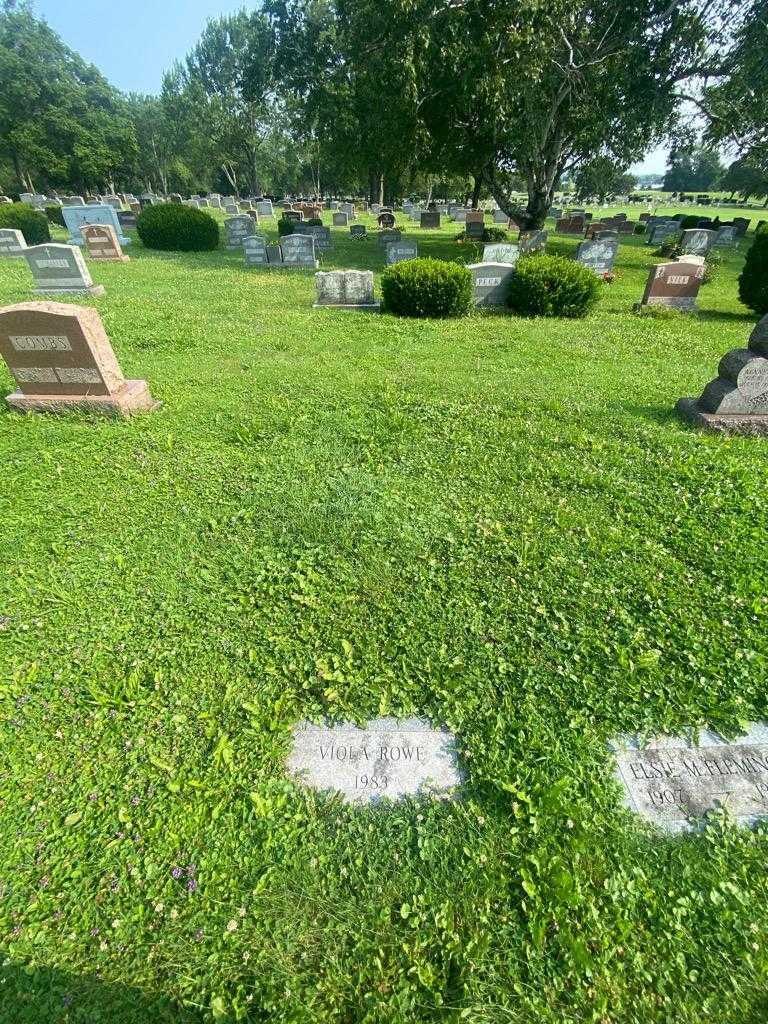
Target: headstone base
{"points": [[132, 398], [297, 266], [750, 424], [96, 289], [372, 306]]}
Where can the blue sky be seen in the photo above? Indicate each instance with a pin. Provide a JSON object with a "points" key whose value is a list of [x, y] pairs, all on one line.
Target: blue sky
{"points": [[134, 42]]}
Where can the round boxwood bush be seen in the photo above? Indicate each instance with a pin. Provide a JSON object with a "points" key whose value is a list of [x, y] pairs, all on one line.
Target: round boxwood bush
{"points": [[175, 228], [32, 224], [553, 286], [490, 235], [753, 280], [314, 222], [427, 287], [55, 215], [285, 226]]}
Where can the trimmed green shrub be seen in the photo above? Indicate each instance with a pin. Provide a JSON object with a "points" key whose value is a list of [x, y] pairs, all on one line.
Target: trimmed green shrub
{"points": [[689, 222], [427, 287], [553, 286], [175, 228], [285, 226], [490, 235], [753, 280], [31, 223], [639, 229], [55, 215], [314, 222]]}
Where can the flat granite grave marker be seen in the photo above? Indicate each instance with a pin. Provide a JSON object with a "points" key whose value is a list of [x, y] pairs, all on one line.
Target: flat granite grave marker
{"points": [[672, 781], [60, 268], [490, 283], [12, 243], [387, 760], [396, 252], [345, 289], [101, 243], [501, 252], [736, 402], [599, 254], [675, 284], [61, 358]]}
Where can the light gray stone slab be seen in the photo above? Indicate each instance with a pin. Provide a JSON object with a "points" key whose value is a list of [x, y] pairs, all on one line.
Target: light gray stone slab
{"points": [[672, 781], [386, 760]]}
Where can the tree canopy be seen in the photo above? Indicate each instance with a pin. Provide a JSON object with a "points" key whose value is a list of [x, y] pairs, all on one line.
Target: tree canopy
{"points": [[382, 96]]}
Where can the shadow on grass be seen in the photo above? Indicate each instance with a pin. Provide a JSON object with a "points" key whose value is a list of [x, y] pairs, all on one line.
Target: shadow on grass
{"points": [[663, 415], [44, 995], [728, 316]]}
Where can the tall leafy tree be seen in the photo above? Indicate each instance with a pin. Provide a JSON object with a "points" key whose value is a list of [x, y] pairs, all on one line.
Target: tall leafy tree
{"points": [[736, 102], [61, 123], [223, 95], [694, 168], [602, 177], [356, 90], [545, 87]]}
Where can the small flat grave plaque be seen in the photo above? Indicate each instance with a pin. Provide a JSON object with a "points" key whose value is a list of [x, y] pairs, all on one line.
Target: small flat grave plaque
{"points": [[387, 760], [672, 781]]}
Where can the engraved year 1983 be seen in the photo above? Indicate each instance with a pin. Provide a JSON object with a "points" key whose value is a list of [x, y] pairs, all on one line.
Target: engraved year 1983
{"points": [[370, 782]]}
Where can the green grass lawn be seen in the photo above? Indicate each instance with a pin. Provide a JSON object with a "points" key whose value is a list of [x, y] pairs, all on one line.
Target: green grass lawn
{"points": [[495, 523]]}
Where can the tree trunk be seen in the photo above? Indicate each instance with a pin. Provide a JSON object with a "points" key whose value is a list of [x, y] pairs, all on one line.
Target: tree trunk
{"points": [[476, 190], [541, 178], [381, 189]]}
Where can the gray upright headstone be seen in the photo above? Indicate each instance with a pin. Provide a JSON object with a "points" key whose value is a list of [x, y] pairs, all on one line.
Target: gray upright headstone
{"points": [[60, 269], [396, 252], [501, 252], [12, 243], [598, 254], [737, 400], [235, 230], [346, 289], [255, 251], [298, 251], [490, 283]]}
